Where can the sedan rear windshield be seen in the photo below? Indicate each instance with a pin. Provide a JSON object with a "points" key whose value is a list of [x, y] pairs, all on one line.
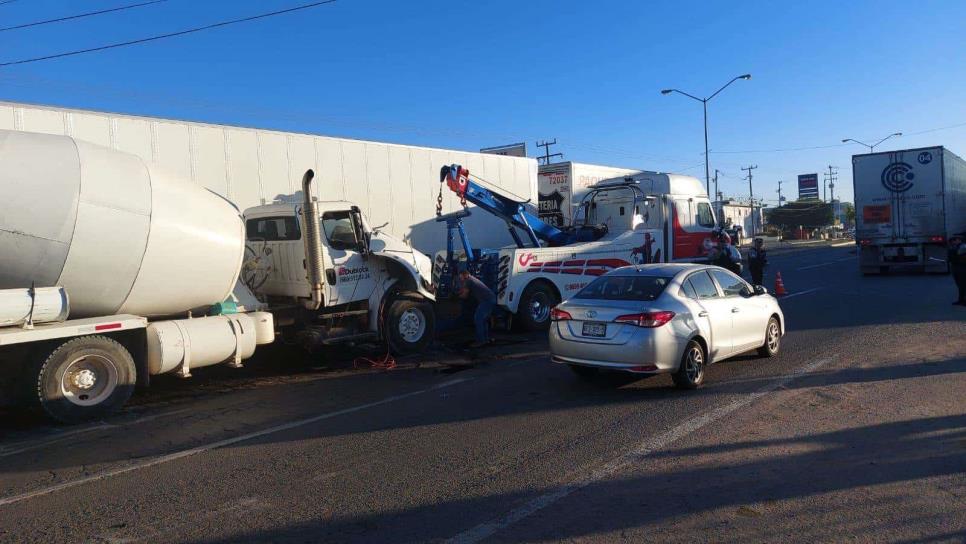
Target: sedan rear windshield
{"points": [[624, 288]]}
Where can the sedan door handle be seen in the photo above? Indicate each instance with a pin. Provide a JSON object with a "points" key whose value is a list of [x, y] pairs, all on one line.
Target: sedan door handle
{"points": [[735, 310], [702, 314]]}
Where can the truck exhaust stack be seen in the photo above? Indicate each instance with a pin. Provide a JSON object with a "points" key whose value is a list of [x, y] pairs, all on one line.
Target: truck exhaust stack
{"points": [[312, 240]]}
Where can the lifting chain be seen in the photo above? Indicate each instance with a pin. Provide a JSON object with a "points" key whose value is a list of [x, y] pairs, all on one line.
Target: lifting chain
{"points": [[439, 201]]}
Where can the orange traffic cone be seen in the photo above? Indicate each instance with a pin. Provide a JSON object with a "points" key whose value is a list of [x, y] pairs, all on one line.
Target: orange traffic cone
{"points": [[779, 285]]}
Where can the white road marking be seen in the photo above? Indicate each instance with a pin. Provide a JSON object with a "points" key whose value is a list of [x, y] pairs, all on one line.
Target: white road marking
{"points": [[486, 530], [805, 292], [826, 264], [161, 459], [54, 438]]}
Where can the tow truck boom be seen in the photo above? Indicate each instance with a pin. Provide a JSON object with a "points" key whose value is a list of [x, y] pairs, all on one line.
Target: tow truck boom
{"points": [[513, 212]]}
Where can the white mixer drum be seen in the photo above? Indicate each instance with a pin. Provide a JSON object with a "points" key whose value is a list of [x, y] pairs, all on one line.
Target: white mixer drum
{"points": [[119, 234]]}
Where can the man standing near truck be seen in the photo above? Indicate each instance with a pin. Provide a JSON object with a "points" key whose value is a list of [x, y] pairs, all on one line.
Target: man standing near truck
{"points": [[485, 300], [757, 260], [957, 265]]}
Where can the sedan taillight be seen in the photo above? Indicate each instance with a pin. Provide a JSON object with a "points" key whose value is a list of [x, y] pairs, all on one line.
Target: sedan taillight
{"points": [[646, 319], [559, 315]]}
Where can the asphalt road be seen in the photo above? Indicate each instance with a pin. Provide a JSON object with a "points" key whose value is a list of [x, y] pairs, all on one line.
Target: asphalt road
{"points": [[857, 431]]}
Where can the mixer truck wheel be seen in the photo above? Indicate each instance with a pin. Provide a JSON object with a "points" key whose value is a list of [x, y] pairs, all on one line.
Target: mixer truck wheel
{"points": [[410, 324], [84, 378]]}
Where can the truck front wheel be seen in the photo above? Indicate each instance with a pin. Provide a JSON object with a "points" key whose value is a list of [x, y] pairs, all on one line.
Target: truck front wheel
{"points": [[84, 378], [410, 324], [535, 304]]}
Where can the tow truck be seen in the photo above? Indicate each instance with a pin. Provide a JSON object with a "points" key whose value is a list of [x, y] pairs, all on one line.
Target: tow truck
{"points": [[647, 217]]}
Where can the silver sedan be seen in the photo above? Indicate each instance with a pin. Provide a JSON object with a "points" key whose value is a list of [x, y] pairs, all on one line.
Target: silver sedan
{"points": [[664, 318]]}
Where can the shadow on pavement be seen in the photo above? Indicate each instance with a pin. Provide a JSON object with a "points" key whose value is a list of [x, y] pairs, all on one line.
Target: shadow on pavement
{"points": [[834, 461]]}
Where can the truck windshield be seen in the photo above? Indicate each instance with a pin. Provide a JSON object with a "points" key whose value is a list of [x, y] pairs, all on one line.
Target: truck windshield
{"points": [[705, 217], [644, 288]]}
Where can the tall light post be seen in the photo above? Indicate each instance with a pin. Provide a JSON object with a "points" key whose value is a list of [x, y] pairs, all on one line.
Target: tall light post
{"points": [[704, 103], [873, 146]]}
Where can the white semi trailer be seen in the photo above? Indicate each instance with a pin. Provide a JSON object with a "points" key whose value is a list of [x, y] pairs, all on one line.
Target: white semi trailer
{"points": [[112, 270], [908, 204]]}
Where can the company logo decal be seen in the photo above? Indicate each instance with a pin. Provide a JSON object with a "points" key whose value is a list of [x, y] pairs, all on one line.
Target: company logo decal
{"points": [[526, 259], [353, 274], [591, 313], [898, 176]]}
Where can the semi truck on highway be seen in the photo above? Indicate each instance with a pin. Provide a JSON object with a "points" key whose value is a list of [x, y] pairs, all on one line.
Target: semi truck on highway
{"points": [[115, 270], [907, 205], [645, 217]]}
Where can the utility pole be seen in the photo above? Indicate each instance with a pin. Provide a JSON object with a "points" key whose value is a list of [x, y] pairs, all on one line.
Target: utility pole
{"points": [[779, 193], [716, 182], [547, 155], [830, 180], [751, 195]]}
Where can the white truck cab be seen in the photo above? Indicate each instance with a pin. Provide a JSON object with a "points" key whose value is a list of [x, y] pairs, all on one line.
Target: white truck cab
{"points": [[370, 284]]}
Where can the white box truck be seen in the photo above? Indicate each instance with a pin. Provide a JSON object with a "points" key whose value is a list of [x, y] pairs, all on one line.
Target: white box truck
{"points": [[907, 205], [561, 186]]}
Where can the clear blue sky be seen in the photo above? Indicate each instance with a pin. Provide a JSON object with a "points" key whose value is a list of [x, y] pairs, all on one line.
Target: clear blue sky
{"points": [[465, 75]]}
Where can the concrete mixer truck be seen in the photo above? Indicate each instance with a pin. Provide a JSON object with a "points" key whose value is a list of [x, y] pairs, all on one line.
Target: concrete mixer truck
{"points": [[113, 270]]}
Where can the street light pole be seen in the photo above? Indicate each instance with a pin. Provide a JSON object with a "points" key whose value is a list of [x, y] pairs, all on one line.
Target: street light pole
{"points": [[707, 163], [873, 146], [704, 103]]}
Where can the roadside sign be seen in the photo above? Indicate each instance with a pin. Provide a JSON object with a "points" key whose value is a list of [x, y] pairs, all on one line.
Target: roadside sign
{"points": [[808, 186]]}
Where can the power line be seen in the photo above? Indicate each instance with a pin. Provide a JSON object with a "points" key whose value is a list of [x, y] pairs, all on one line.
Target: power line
{"points": [[782, 149], [7, 2], [169, 35], [936, 129], [80, 15], [830, 146]]}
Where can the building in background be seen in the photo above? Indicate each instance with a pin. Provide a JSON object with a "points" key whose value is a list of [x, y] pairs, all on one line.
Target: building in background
{"points": [[740, 213], [395, 185]]}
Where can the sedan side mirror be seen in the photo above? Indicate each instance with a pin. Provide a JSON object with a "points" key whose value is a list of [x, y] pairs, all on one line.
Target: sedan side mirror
{"points": [[760, 290]]}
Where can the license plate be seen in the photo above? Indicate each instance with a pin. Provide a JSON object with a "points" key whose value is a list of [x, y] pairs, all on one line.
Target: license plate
{"points": [[595, 329]]}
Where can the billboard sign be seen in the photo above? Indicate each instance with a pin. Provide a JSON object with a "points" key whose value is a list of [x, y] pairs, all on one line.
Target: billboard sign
{"points": [[808, 186], [512, 150]]}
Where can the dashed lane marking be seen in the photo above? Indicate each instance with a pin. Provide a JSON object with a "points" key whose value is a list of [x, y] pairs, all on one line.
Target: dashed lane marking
{"points": [[800, 293], [634, 456], [825, 264]]}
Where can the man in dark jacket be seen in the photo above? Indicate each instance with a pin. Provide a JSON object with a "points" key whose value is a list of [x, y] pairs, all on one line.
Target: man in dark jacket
{"points": [[957, 265], [485, 300], [757, 260]]}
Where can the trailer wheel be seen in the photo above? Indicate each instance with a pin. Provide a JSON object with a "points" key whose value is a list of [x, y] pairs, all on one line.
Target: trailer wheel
{"points": [[535, 304], [410, 324], [84, 378]]}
